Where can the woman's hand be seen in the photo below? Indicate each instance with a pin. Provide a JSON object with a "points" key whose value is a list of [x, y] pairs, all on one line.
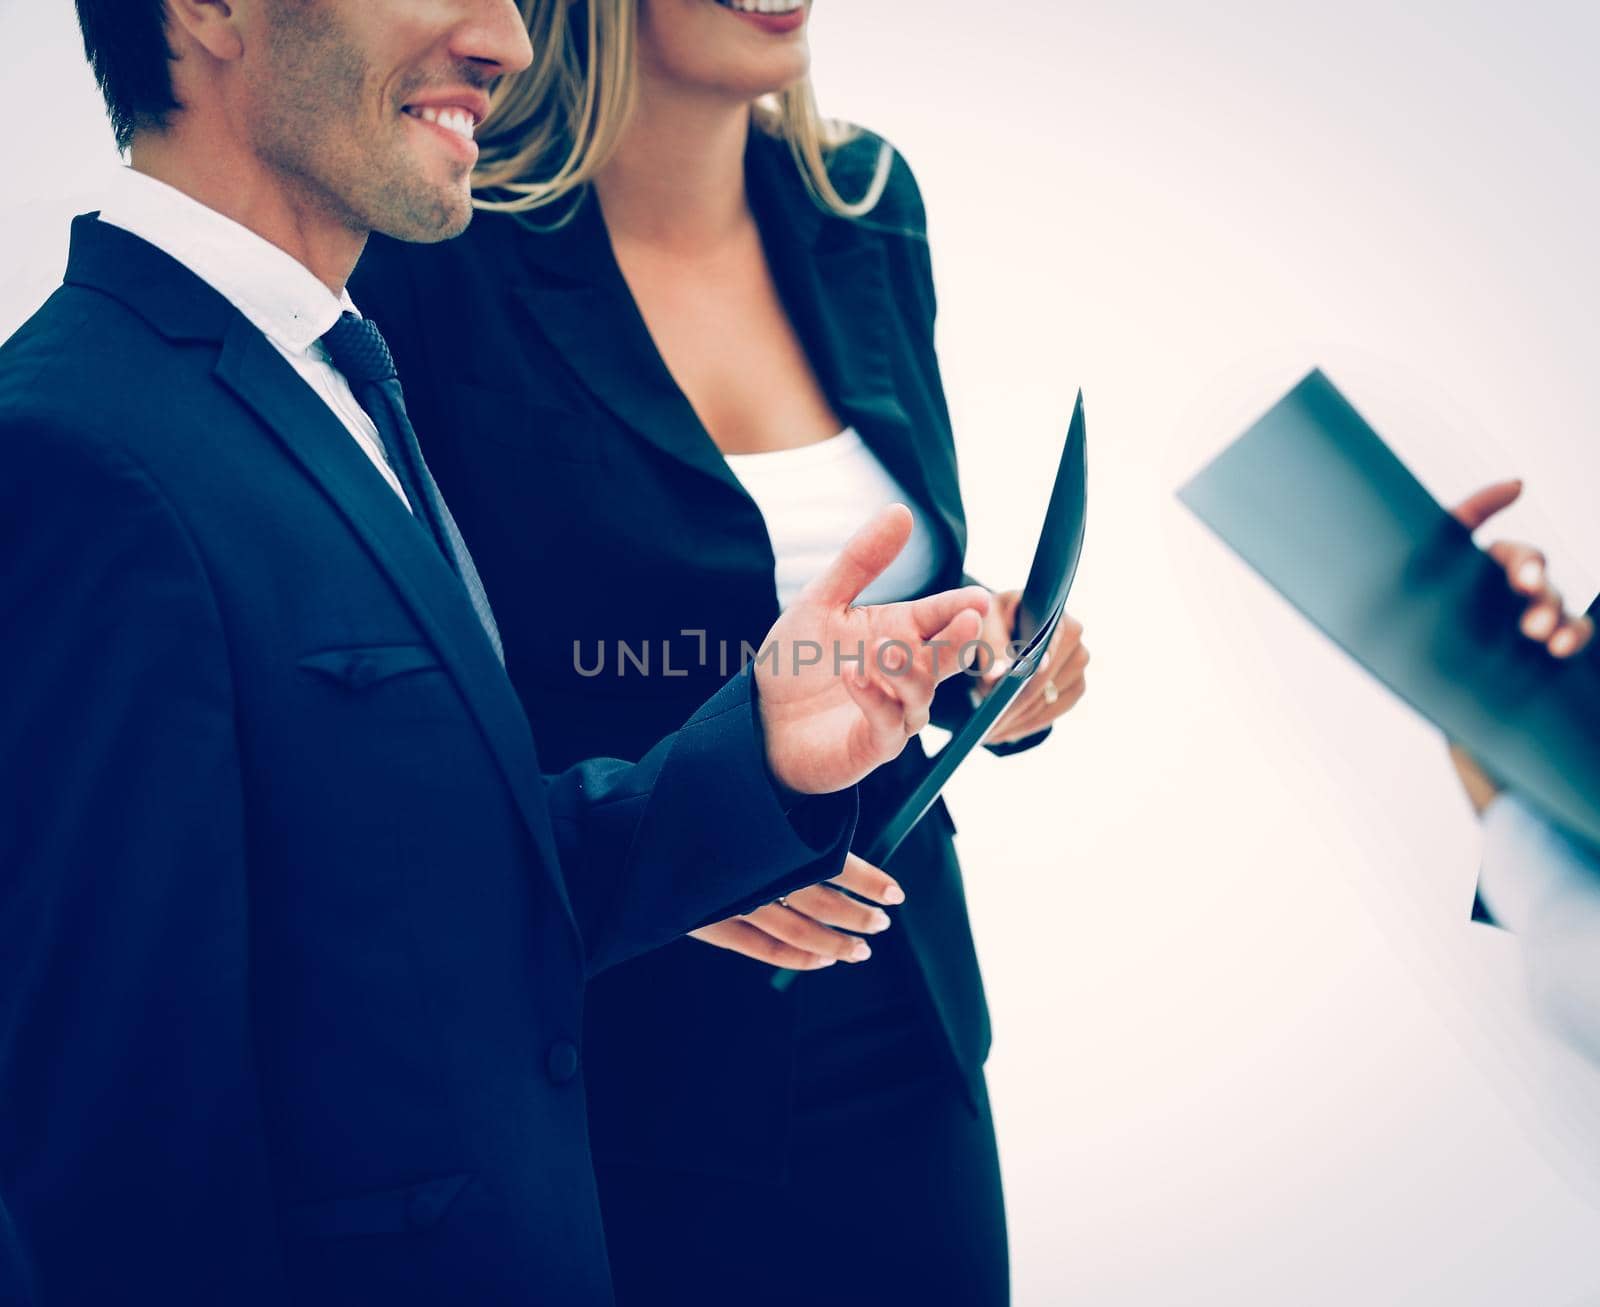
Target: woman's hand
{"points": [[1052, 693], [807, 930]]}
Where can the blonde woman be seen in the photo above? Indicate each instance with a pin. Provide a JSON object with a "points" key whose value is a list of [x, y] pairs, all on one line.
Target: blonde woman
{"points": [[686, 346]]}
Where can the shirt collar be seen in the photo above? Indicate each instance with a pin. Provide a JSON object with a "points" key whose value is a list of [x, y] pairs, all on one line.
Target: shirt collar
{"points": [[278, 294]]}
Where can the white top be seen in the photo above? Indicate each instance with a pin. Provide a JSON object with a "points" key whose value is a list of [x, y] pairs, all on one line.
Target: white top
{"points": [[277, 294], [1540, 883], [815, 497]]}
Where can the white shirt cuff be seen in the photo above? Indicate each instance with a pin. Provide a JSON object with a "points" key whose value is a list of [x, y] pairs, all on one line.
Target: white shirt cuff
{"points": [[1528, 863]]}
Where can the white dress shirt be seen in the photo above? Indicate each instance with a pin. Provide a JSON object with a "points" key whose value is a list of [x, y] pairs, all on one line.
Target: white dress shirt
{"points": [[276, 293], [1544, 886], [814, 498]]}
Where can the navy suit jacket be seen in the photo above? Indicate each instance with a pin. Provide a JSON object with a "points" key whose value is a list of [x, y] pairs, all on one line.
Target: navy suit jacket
{"points": [[293, 931]]}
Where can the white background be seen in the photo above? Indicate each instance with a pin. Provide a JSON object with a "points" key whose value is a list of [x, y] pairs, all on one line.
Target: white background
{"points": [[1249, 1050]]}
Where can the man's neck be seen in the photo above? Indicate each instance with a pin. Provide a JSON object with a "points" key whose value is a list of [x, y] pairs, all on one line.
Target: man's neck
{"points": [[677, 178], [240, 187]]}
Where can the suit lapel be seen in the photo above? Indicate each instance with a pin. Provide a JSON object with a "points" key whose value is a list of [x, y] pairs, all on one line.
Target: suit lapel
{"points": [[265, 383], [184, 308]]}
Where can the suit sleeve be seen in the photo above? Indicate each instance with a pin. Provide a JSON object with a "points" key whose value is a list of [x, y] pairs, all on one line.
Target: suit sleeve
{"points": [[131, 1144], [692, 833]]}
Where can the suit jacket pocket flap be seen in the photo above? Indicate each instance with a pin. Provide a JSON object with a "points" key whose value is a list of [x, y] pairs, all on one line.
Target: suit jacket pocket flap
{"points": [[385, 1211], [358, 667]]}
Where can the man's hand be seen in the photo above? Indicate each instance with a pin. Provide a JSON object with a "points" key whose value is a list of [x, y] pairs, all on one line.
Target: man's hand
{"points": [[806, 931], [844, 688], [1052, 693], [1545, 619]]}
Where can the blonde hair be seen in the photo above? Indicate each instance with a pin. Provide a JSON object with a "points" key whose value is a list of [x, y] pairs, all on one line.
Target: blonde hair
{"points": [[552, 128]]}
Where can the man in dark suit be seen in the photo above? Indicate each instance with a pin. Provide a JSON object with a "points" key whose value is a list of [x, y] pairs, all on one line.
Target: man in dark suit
{"points": [[293, 933]]}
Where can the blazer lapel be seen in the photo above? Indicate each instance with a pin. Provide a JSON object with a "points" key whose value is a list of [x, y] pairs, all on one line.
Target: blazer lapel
{"points": [[582, 305], [833, 275]]}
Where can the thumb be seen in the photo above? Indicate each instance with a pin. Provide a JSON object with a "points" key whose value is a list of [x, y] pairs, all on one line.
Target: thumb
{"points": [[1476, 509], [863, 559]]}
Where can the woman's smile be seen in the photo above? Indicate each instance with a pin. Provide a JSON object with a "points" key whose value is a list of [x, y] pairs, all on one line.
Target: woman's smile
{"points": [[772, 15]]}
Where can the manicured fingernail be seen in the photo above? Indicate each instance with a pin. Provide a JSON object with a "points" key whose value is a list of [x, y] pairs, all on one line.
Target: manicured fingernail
{"points": [[880, 922], [1531, 573], [860, 951], [825, 963], [997, 669], [1564, 643], [1539, 625], [894, 894]]}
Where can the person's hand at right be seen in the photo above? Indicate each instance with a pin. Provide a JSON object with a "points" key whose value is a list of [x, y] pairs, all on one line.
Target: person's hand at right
{"points": [[1545, 619]]}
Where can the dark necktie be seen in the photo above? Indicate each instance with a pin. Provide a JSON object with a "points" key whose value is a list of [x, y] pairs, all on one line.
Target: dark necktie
{"points": [[357, 349]]}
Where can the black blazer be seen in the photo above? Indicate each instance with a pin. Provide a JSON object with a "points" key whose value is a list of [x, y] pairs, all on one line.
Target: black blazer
{"points": [[556, 431], [293, 934]]}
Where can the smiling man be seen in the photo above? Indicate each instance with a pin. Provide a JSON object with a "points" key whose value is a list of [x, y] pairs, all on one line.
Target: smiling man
{"points": [[293, 932]]}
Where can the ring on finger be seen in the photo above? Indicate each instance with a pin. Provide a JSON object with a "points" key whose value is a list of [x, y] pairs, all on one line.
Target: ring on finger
{"points": [[1051, 694]]}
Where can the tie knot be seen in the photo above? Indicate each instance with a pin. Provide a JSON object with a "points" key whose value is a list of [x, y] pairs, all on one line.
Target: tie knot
{"points": [[357, 349]]}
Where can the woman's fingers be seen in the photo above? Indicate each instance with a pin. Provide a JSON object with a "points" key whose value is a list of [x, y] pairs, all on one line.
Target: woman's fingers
{"points": [[740, 936], [860, 877], [806, 931], [828, 907], [1038, 714], [1052, 693], [796, 928]]}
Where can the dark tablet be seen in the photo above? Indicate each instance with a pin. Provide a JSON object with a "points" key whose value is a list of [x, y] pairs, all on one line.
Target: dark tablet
{"points": [[1044, 599]]}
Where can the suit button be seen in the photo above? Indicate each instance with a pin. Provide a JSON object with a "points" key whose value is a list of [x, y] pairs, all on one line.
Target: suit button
{"points": [[562, 1063]]}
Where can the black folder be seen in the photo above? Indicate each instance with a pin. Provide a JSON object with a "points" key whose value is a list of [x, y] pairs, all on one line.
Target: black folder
{"points": [[1316, 503], [1044, 600]]}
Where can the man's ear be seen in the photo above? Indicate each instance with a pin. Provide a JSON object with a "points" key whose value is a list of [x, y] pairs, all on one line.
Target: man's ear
{"points": [[213, 25]]}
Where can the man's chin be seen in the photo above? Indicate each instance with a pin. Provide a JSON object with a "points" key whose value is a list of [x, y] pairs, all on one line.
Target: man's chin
{"points": [[429, 218]]}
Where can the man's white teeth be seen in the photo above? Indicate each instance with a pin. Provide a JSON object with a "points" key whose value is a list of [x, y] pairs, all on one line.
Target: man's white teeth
{"points": [[458, 121], [763, 6]]}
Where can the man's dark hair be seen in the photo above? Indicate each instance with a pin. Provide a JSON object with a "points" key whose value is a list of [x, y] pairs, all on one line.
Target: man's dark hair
{"points": [[126, 41]]}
